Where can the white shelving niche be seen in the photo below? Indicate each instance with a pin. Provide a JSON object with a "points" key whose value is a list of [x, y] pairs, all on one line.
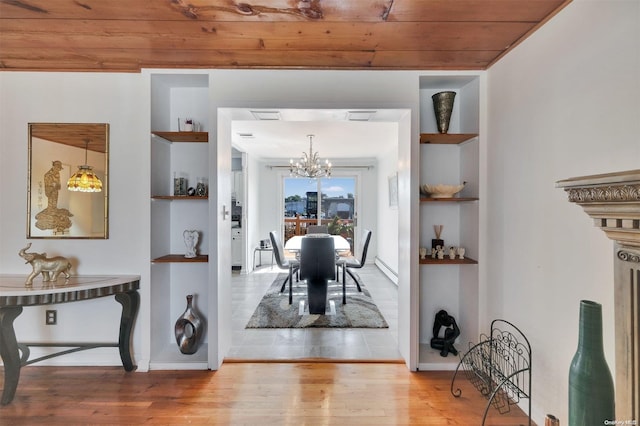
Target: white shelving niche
{"points": [[176, 153], [453, 158]]}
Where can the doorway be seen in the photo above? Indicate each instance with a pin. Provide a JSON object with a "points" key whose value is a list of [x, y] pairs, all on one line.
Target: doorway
{"points": [[370, 138]]}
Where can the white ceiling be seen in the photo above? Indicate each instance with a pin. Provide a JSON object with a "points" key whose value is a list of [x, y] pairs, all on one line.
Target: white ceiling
{"points": [[338, 133]]}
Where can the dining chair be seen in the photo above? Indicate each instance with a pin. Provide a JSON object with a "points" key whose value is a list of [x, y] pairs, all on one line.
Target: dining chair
{"points": [[317, 267], [292, 265], [318, 229], [353, 263]]}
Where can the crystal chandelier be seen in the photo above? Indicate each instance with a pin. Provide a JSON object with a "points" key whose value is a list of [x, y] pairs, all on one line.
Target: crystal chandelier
{"points": [[309, 165], [84, 179]]}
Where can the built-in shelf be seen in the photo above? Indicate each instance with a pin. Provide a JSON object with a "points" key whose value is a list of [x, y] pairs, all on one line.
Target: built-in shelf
{"points": [[447, 261], [448, 200], [179, 258], [179, 197], [446, 138], [184, 136]]}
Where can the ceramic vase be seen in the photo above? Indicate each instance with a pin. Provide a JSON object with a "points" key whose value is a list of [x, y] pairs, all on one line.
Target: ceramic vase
{"points": [[188, 329], [591, 391], [443, 106]]}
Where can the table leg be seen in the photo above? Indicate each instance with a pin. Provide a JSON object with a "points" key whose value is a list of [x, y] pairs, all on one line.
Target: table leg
{"points": [[9, 352], [130, 302]]}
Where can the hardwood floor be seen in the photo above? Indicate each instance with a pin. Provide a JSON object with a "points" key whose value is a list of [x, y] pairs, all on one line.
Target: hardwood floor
{"points": [[291, 393]]}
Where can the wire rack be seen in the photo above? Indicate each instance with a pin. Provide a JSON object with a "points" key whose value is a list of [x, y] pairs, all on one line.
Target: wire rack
{"points": [[499, 367]]}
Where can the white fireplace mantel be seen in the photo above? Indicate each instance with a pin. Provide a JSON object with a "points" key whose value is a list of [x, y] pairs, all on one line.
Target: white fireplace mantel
{"points": [[613, 201]]}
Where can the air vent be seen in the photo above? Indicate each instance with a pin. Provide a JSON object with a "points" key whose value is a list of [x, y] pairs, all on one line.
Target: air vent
{"points": [[360, 115], [266, 115]]}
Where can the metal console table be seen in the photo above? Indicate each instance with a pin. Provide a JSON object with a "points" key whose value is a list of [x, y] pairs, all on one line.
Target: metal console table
{"points": [[14, 296]]}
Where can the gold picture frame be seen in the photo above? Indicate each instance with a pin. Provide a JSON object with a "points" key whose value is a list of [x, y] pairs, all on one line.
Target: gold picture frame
{"points": [[58, 151]]}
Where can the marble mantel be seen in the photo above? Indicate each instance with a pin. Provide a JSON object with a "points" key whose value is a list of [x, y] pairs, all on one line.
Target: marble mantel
{"points": [[612, 200]]}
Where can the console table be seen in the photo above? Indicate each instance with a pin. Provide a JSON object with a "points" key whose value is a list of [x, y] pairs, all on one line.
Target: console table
{"points": [[14, 296]]}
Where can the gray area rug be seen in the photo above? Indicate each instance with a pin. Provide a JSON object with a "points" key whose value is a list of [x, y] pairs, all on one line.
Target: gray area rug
{"points": [[274, 310]]}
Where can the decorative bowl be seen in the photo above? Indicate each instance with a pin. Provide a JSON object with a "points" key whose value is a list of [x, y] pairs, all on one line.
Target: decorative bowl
{"points": [[441, 190]]}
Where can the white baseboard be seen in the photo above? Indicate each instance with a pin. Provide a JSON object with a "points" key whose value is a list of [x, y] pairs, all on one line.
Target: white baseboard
{"points": [[390, 273]]}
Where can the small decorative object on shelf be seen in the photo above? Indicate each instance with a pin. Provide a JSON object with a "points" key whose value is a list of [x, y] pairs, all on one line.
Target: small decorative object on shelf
{"points": [[423, 252], [437, 241], [201, 188], [461, 251], [443, 106], [591, 391], [188, 329], [49, 267], [191, 241], [452, 253], [179, 185], [434, 252], [189, 125], [451, 332], [191, 191], [440, 252], [441, 190]]}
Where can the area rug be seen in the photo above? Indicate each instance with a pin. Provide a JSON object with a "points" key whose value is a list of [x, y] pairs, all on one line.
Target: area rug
{"points": [[274, 310]]}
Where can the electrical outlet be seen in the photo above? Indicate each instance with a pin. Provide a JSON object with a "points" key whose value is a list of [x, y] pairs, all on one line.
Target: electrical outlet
{"points": [[51, 317]]}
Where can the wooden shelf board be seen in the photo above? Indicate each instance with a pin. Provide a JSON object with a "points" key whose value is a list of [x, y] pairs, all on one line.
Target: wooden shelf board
{"points": [[179, 258], [424, 199], [184, 136], [178, 197], [446, 138], [447, 261]]}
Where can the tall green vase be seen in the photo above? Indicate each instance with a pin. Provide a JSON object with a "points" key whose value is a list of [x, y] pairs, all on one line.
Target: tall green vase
{"points": [[591, 392]]}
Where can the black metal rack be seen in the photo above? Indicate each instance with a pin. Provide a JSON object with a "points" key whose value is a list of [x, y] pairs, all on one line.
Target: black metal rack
{"points": [[499, 366]]}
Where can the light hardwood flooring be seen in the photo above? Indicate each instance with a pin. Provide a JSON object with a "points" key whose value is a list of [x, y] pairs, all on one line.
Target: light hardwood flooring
{"points": [[247, 394], [303, 377], [295, 344]]}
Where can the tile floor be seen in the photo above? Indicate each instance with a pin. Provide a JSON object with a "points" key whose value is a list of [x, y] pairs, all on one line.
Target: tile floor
{"points": [[333, 343]]}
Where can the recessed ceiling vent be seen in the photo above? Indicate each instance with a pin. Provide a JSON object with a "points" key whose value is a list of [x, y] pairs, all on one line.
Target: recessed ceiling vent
{"points": [[360, 115], [267, 115]]}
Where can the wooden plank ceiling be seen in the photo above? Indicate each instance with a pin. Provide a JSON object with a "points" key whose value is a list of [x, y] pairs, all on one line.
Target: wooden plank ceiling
{"points": [[127, 35]]}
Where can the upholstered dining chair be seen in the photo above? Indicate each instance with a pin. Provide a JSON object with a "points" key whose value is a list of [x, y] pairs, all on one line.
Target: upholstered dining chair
{"points": [[292, 265], [317, 267], [354, 263], [318, 229]]}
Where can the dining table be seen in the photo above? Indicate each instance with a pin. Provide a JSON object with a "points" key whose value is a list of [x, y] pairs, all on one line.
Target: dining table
{"points": [[294, 243]]}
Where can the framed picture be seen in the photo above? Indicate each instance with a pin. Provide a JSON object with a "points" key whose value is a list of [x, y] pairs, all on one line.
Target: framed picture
{"points": [[68, 180], [393, 190]]}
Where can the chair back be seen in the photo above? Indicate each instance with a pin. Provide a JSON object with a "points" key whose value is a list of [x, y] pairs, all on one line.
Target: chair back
{"points": [[318, 229], [364, 245], [278, 250], [317, 258]]}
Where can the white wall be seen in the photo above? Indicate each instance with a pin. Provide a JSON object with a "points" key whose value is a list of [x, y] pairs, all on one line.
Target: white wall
{"points": [[122, 101], [564, 103], [386, 236]]}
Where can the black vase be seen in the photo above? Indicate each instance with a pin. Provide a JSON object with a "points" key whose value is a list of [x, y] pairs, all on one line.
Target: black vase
{"points": [[189, 329], [443, 107], [591, 392]]}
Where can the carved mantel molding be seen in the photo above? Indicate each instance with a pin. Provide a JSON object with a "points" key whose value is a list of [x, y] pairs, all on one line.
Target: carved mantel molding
{"points": [[613, 201]]}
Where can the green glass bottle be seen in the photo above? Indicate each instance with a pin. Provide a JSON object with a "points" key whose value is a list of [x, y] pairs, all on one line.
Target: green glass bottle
{"points": [[591, 392]]}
